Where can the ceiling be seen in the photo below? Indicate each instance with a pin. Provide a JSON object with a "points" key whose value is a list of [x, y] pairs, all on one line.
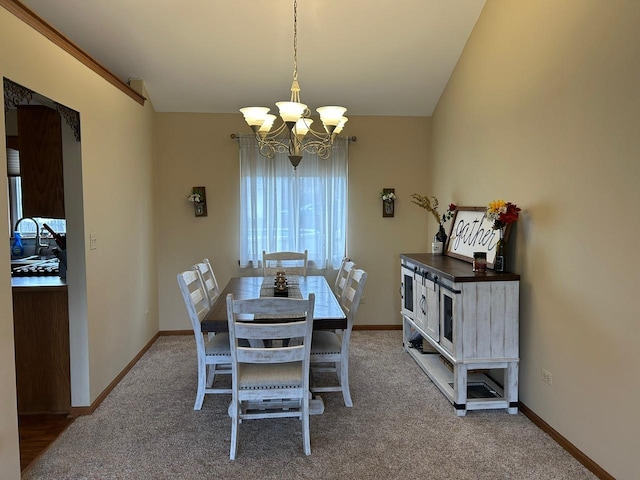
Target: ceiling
{"points": [[375, 57]]}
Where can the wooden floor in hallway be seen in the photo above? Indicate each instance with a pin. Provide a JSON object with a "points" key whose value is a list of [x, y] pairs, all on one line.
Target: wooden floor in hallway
{"points": [[37, 432]]}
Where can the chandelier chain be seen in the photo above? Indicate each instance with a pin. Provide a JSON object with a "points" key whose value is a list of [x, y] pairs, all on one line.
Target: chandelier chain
{"points": [[295, 39]]}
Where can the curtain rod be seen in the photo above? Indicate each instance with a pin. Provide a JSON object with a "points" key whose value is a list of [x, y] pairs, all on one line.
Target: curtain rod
{"points": [[237, 135]]}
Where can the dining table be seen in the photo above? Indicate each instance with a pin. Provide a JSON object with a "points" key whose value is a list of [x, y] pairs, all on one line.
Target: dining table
{"points": [[327, 312]]}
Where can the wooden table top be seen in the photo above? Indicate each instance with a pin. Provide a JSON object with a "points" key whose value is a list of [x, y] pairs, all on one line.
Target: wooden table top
{"points": [[327, 313]]}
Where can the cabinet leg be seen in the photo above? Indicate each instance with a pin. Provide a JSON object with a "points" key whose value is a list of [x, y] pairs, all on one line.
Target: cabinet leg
{"points": [[460, 389], [511, 388]]}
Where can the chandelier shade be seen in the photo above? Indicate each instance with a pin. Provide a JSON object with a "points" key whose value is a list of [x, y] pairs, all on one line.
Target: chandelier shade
{"points": [[295, 135]]}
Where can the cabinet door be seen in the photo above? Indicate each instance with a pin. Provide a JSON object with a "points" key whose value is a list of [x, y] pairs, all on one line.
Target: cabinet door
{"points": [[41, 337], [431, 295], [40, 142], [420, 302], [448, 320], [407, 281]]}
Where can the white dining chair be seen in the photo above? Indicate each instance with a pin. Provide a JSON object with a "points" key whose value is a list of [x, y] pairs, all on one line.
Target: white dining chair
{"points": [[293, 263], [213, 354], [211, 288], [278, 375], [330, 349], [208, 277], [341, 278]]}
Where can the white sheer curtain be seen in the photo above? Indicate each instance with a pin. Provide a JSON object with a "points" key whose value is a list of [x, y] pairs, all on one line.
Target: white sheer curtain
{"points": [[282, 209]]}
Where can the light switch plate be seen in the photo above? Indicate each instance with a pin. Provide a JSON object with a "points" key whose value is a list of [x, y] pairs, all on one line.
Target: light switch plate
{"points": [[93, 241]]}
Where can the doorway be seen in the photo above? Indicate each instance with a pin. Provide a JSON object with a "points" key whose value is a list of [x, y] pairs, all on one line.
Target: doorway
{"points": [[49, 425]]}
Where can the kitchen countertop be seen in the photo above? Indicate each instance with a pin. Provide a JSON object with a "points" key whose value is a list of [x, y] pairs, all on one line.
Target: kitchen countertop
{"points": [[39, 282]]}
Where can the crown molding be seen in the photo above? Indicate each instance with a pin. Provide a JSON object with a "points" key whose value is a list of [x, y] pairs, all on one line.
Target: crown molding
{"points": [[38, 24]]}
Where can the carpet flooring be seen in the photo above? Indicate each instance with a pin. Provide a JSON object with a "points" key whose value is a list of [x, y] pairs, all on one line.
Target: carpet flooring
{"points": [[400, 426]]}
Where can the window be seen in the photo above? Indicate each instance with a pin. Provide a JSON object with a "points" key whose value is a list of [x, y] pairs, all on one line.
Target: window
{"points": [[27, 229], [282, 209]]}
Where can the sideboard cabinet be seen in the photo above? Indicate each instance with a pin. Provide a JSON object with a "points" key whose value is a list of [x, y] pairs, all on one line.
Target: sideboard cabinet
{"points": [[469, 326]]}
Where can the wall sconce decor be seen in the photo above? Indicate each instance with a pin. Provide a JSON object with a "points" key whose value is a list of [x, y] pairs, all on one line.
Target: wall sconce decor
{"points": [[388, 197], [199, 199]]}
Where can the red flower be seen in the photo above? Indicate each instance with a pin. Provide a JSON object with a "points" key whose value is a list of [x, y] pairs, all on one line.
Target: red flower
{"points": [[511, 215]]}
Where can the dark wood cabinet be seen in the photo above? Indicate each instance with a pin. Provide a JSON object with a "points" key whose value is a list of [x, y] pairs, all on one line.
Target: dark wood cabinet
{"points": [[41, 336], [41, 168]]}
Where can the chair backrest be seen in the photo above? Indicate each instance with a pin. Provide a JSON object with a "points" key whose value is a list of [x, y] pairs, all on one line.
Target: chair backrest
{"points": [[208, 278], [195, 299], [350, 299], [293, 263], [341, 279], [242, 327]]}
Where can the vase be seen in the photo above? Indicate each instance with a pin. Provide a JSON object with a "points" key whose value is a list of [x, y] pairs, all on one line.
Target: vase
{"points": [[439, 240], [499, 264], [388, 208]]}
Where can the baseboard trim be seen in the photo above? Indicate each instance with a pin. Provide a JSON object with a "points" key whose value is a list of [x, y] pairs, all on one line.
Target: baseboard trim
{"points": [[167, 333], [88, 410], [574, 451], [377, 327]]}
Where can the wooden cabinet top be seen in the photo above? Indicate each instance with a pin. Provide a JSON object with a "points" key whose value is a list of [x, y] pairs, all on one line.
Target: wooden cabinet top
{"points": [[455, 270]]}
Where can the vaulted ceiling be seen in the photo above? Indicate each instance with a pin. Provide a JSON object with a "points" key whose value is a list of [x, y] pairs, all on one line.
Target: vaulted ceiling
{"points": [[375, 57]]}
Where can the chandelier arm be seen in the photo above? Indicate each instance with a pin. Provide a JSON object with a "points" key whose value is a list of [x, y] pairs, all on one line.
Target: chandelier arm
{"points": [[278, 132], [322, 136], [273, 146], [267, 150]]}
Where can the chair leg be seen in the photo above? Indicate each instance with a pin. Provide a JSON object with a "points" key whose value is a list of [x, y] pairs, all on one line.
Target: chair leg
{"points": [[202, 373], [233, 411], [306, 438], [344, 382]]}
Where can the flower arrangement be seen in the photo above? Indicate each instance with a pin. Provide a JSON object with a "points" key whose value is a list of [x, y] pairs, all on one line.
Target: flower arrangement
{"points": [[430, 203], [502, 213], [194, 198], [387, 197]]}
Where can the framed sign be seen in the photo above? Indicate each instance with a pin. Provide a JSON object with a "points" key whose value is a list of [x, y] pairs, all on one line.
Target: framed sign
{"points": [[471, 232]]}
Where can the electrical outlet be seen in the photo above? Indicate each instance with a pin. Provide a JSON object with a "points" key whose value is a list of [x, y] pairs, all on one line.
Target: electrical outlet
{"points": [[93, 241], [547, 377]]}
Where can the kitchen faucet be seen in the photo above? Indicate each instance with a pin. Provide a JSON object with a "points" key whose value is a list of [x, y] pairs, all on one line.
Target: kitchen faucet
{"points": [[39, 247]]}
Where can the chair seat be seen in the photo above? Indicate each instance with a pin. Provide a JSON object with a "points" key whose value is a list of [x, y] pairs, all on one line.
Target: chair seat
{"points": [[257, 375], [325, 342], [218, 345]]}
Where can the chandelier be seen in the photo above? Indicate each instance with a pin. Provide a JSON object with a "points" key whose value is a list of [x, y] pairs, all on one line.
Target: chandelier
{"points": [[295, 135]]}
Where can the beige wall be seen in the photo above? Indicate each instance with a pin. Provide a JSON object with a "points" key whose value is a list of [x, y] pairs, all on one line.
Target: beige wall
{"points": [[542, 110], [116, 194], [196, 149]]}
